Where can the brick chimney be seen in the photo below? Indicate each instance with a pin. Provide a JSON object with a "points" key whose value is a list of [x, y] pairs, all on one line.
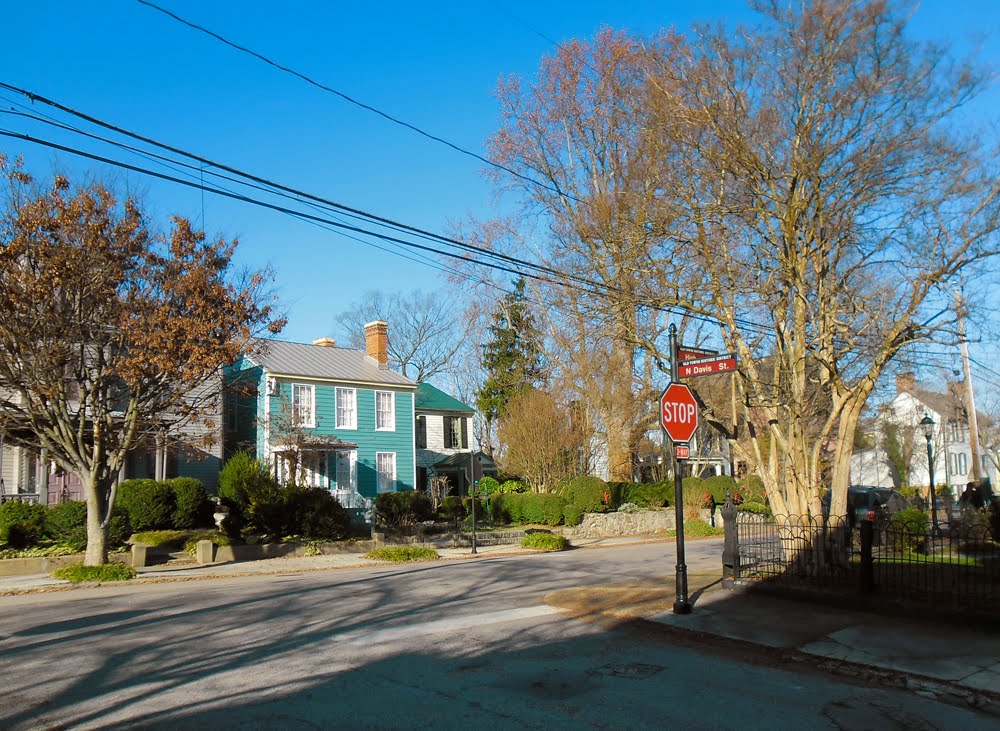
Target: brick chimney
{"points": [[377, 342], [906, 382], [325, 342]]}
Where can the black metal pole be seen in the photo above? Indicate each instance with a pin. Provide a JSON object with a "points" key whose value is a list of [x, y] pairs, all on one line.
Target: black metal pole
{"points": [[681, 603], [930, 474], [474, 508]]}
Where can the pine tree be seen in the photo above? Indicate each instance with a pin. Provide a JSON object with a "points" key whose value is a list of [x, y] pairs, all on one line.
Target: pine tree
{"points": [[512, 358]]}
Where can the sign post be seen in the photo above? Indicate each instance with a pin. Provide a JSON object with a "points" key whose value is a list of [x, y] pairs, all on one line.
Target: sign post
{"points": [[679, 419]]}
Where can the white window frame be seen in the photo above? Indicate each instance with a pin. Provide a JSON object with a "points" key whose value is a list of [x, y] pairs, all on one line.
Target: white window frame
{"points": [[351, 458], [382, 475], [310, 421], [391, 423], [352, 422]]}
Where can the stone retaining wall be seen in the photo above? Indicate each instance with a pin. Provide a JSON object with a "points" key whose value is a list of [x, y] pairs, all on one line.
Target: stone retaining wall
{"points": [[608, 525]]}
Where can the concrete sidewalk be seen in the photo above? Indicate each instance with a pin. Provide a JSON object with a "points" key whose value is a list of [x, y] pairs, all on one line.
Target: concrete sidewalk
{"points": [[932, 656]]}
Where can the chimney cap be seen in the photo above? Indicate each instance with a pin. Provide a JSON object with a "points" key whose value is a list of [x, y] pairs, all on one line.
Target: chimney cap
{"points": [[325, 342]]}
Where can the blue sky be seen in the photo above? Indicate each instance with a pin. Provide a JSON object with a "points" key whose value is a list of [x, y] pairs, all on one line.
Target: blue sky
{"points": [[433, 64]]}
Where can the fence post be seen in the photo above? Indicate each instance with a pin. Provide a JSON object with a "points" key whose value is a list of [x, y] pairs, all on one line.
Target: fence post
{"points": [[731, 544], [867, 563]]}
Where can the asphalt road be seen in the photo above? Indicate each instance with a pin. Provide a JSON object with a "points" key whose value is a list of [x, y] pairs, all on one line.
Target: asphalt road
{"points": [[443, 645]]}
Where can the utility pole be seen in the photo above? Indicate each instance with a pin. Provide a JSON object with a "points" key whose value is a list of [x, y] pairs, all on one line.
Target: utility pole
{"points": [[970, 397]]}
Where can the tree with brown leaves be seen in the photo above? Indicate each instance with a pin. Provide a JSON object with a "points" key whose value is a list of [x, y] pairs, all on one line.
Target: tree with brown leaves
{"points": [[107, 329]]}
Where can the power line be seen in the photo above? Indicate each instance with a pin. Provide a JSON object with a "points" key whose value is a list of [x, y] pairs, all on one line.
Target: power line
{"points": [[368, 107], [506, 261]]}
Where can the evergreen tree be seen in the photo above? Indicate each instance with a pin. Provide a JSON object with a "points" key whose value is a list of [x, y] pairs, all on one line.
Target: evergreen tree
{"points": [[512, 358]]}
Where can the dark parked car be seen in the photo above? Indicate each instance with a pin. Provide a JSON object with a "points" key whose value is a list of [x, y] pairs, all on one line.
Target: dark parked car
{"points": [[876, 504]]}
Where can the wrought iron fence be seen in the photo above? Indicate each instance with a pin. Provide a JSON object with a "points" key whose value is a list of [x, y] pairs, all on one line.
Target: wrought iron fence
{"points": [[956, 567]]}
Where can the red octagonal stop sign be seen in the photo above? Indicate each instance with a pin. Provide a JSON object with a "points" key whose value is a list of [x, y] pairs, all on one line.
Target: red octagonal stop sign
{"points": [[678, 412]]}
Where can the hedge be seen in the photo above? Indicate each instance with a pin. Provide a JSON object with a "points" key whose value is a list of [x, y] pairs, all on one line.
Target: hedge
{"points": [[520, 508], [150, 504], [192, 506]]}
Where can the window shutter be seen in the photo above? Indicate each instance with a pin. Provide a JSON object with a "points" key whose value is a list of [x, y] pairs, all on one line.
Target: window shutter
{"points": [[421, 432], [448, 440], [465, 433]]}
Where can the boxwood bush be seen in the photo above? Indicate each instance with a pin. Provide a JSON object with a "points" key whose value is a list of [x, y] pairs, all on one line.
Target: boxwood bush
{"points": [[487, 485], [402, 509], [314, 513], [21, 524], [150, 504], [542, 541], [192, 508], [67, 524]]}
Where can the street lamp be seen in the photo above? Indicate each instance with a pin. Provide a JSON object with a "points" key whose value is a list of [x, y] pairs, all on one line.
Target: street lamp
{"points": [[927, 425]]}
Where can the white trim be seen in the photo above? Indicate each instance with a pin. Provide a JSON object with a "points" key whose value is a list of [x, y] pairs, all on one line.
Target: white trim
{"points": [[392, 411], [310, 423], [378, 473], [350, 382], [353, 423], [413, 438]]}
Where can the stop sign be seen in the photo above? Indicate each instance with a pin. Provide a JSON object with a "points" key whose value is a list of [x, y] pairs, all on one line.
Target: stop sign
{"points": [[678, 412]]}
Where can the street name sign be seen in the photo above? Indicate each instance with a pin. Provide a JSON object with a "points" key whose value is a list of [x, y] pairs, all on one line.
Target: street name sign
{"points": [[685, 353], [725, 363], [678, 412]]}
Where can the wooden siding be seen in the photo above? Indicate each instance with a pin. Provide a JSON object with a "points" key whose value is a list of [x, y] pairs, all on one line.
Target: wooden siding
{"points": [[369, 440]]}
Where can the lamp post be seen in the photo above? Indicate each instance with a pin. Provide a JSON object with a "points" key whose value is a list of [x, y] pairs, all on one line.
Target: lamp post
{"points": [[927, 425]]}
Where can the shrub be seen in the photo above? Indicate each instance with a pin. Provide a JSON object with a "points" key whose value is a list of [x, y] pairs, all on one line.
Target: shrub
{"points": [[541, 541], [246, 483], [401, 509], [587, 493], [910, 526], [754, 507], [513, 486], [480, 508], [400, 554], [648, 495], [150, 504], [750, 489], [487, 485], [106, 572], [572, 515], [451, 508], [314, 513], [519, 508], [628, 508], [192, 507], [66, 523], [698, 528], [21, 524]]}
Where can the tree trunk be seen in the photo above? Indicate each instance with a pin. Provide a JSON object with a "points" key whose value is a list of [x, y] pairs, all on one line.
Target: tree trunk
{"points": [[97, 524]]}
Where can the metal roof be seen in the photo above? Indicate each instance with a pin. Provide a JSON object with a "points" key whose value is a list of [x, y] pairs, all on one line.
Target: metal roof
{"points": [[329, 364], [430, 398]]}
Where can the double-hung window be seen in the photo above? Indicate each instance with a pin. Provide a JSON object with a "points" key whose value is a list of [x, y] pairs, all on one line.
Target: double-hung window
{"points": [[347, 412], [385, 411], [385, 466], [304, 405]]}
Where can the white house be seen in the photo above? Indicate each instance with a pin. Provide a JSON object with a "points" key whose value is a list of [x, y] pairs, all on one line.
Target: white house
{"points": [[897, 428]]}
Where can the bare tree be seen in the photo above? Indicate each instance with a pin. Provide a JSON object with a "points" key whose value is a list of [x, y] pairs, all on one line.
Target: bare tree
{"points": [[540, 440], [826, 191], [426, 331], [110, 332]]}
